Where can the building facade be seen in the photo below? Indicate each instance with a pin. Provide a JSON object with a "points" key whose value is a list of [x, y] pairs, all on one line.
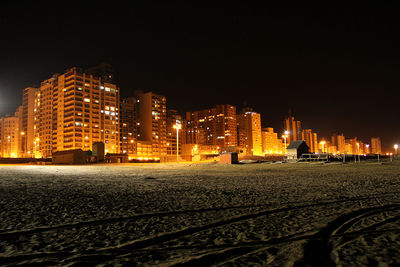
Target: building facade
{"points": [[376, 146], [216, 126], [271, 144], [73, 110], [294, 129], [249, 133]]}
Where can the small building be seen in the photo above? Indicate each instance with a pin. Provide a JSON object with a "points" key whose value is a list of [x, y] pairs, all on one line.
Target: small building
{"points": [[116, 158], [229, 158], [296, 149], [98, 151], [77, 156]]}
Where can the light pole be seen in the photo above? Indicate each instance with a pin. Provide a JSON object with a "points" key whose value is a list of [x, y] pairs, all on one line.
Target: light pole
{"points": [[26, 145], [177, 126], [396, 146], [284, 136], [35, 143]]}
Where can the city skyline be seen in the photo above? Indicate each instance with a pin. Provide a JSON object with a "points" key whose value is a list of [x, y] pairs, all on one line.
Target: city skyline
{"points": [[342, 68], [80, 108]]}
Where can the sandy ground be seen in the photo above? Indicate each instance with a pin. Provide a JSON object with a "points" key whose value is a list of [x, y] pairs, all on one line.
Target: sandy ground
{"points": [[201, 214]]}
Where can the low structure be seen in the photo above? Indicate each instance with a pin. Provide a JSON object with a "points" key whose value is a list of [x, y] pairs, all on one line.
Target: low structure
{"points": [[98, 151], [116, 158], [296, 149], [229, 158], [77, 156]]}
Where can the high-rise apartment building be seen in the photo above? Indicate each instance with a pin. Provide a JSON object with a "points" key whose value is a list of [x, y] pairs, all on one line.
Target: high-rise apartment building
{"points": [[376, 146], [294, 129], [152, 125], [249, 133], [215, 126], [10, 136], [311, 139], [271, 144], [28, 122], [75, 110], [129, 126]]}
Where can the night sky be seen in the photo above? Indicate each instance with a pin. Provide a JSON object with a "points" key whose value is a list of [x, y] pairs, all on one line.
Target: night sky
{"points": [[336, 67]]}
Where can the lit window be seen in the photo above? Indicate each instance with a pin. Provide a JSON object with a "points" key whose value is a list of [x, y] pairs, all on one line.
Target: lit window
{"points": [[87, 100]]}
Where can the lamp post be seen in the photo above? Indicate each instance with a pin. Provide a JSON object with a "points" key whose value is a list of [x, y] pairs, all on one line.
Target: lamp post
{"points": [[35, 143], [26, 145], [284, 136], [396, 146], [177, 126]]}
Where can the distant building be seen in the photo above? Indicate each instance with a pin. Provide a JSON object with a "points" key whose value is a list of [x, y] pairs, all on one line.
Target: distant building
{"points": [[294, 129], [28, 121], [10, 136], [376, 146], [152, 124], [272, 145], [311, 139], [215, 126], [249, 133], [129, 126]]}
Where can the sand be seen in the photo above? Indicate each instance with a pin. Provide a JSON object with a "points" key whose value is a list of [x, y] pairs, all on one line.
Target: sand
{"points": [[200, 214]]}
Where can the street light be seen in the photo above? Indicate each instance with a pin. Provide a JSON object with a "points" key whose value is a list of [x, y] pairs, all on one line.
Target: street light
{"points": [[177, 126], [396, 146], [286, 135], [26, 145]]}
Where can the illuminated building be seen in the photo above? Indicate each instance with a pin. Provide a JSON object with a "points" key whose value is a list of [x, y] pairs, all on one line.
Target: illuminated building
{"points": [[376, 146], [10, 136], [352, 146], [294, 129], [311, 139], [75, 110], [28, 116], [128, 126], [152, 125], [215, 126], [249, 133], [173, 118], [271, 144]]}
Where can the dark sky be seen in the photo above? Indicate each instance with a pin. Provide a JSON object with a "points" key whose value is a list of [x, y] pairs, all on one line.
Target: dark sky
{"points": [[337, 67]]}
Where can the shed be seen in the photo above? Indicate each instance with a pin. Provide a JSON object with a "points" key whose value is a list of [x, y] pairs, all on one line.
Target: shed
{"points": [[77, 156], [296, 149], [229, 158]]}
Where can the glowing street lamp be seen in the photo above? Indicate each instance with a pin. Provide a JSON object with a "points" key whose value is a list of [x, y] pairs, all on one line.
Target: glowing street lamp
{"points": [[396, 146], [177, 126], [284, 136], [26, 145]]}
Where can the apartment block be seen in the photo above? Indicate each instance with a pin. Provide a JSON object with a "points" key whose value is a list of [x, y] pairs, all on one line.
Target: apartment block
{"points": [[249, 133], [75, 110], [129, 126], [271, 144], [152, 125], [294, 129], [216, 126], [376, 146]]}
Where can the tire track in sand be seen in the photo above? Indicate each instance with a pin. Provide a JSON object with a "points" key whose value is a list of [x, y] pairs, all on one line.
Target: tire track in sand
{"points": [[318, 250]]}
